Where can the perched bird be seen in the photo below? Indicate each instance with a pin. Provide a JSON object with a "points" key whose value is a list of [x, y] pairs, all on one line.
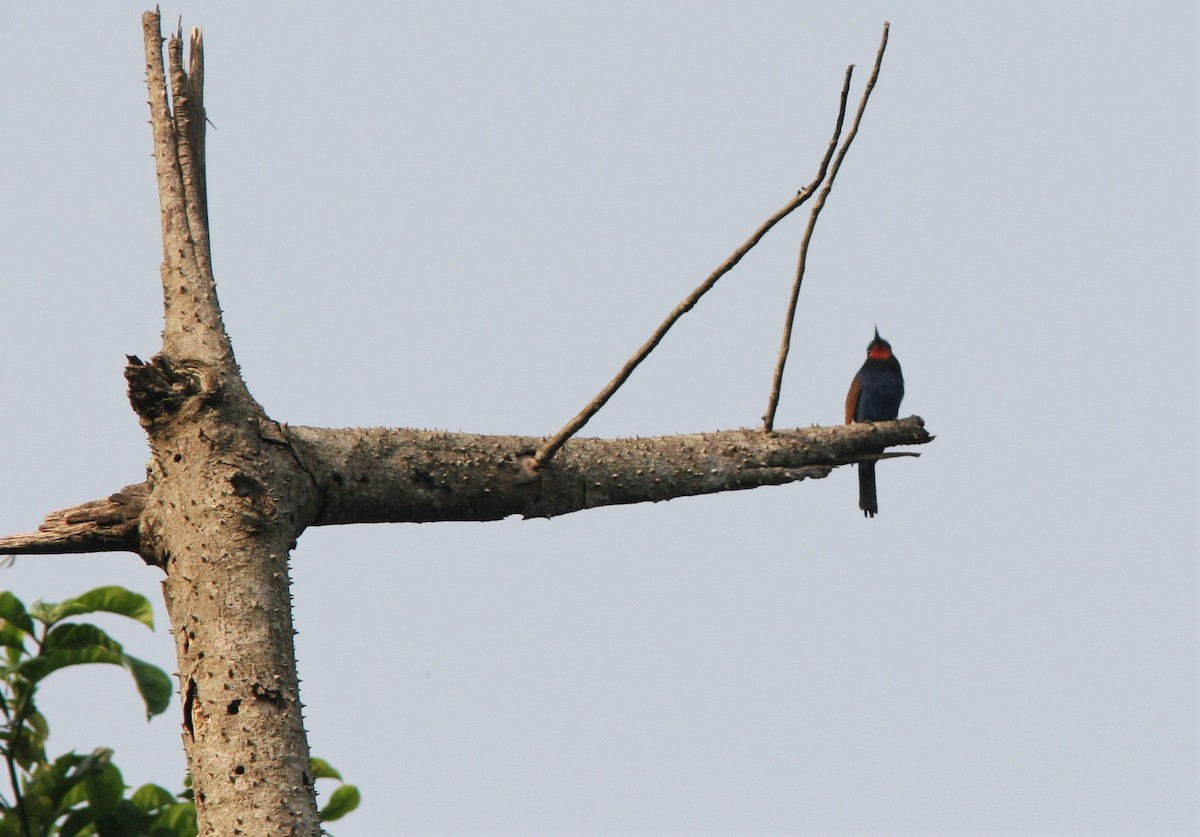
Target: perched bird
{"points": [[875, 395]]}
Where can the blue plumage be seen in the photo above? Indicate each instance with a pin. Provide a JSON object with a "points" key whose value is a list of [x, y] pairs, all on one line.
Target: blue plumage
{"points": [[875, 395], [882, 391]]}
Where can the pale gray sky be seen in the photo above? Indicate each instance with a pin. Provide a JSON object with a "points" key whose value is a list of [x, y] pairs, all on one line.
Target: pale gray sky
{"points": [[467, 215]]}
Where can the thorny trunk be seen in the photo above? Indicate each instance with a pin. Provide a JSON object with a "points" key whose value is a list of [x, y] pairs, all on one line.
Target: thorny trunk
{"points": [[224, 509], [226, 503]]}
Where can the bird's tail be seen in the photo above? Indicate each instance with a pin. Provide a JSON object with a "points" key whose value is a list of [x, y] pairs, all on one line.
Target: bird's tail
{"points": [[866, 489]]}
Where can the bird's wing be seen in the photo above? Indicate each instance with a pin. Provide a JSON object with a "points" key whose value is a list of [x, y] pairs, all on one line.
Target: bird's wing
{"points": [[852, 398]]}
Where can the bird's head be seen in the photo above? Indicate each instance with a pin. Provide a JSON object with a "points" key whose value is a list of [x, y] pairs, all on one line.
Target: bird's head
{"points": [[879, 349]]}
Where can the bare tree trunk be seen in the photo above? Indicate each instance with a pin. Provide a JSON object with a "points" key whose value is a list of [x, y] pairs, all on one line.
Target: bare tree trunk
{"points": [[229, 490], [226, 503], [224, 509]]}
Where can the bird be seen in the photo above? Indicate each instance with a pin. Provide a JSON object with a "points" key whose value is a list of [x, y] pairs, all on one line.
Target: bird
{"points": [[875, 395]]}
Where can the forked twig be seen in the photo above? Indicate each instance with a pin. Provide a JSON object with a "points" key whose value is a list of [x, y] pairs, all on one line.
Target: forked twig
{"points": [[818, 205], [555, 442], [178, 126]]}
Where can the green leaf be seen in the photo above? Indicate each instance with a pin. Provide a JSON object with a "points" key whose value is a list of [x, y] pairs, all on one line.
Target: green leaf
{"points": [[11, 636], [13, 612], [55, 781], [76, 793], [78, 636], [64, 764], [39, 667], [341, 802], [126, 821], [29, 749], [48, 789], [152, 797], [321, 769], [72, 644], [41, 805], [109, 600], [41, 611], [153, 685], [77, 822], [105, 786], [177, 821]]}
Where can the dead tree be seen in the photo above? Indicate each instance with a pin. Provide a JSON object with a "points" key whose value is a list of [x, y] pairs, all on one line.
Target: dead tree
{"points": [[229, 489]]}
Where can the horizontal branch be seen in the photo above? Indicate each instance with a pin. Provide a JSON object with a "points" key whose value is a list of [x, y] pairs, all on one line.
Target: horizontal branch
{"points": [[382, 475], [400, 476]]}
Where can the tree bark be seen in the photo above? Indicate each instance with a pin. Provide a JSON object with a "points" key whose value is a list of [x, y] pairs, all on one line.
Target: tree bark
{"points": [[229, 490], [382, 475], [224, 507], [386, 475]]}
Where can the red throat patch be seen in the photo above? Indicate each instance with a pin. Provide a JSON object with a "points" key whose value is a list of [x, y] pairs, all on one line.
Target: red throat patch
{"points": [[879, 352]]}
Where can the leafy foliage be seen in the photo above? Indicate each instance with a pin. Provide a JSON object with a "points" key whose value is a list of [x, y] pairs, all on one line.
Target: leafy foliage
{"points": [[76, 795]]}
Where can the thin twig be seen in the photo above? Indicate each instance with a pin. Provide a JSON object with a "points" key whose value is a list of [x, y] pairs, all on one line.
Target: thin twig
{"points": [[818, 205], [552, 445]]}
